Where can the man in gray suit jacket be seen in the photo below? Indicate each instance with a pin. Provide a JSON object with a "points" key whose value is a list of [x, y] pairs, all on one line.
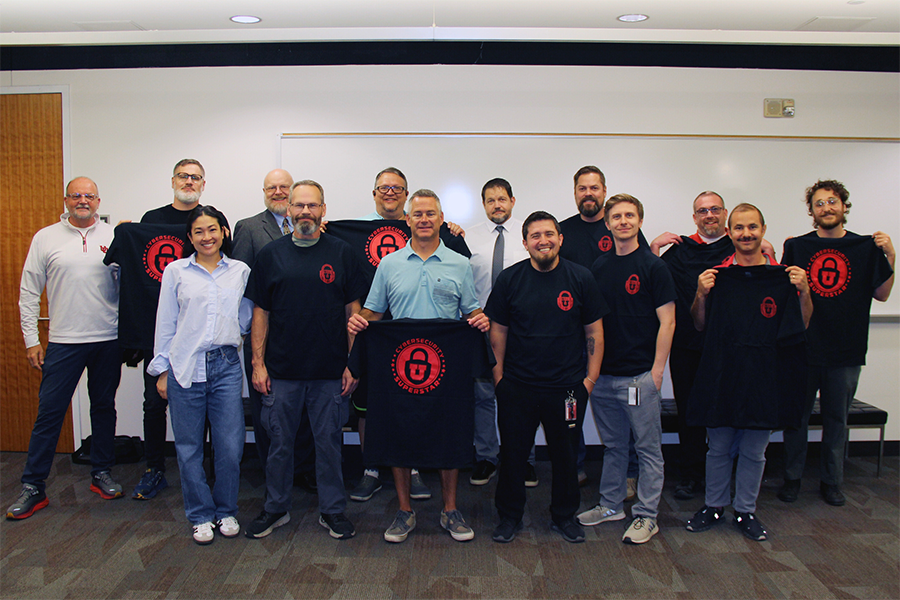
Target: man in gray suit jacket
{"points": [[250, 235]]}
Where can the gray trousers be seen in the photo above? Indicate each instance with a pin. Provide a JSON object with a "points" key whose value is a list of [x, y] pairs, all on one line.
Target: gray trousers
{"points": [[751, 450]]}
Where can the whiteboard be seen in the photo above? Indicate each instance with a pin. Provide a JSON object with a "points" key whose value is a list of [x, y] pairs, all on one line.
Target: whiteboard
{"points": [[665, 172]]}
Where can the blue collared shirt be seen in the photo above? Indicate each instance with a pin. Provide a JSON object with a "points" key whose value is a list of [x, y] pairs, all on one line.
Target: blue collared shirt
{"points": [[280, 220], [198, 311], [441, 287]]}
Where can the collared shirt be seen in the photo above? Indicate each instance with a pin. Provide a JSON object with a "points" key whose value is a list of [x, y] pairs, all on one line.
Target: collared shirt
{"points": [[280, 220], [373, 216], [440, 287], [199, 311], [481, 239]]}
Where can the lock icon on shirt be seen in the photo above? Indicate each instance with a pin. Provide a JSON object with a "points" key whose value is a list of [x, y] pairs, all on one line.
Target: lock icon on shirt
{"points": [[165, 256], [388, 245], [828, 273], [418, 369]]}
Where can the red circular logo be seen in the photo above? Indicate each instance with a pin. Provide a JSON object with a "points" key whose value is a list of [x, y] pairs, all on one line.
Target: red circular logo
{"points": [[605, 244], [768, 308], [565, 301], [829, 273], [159, 252], [384, 241], [418, 365], [633, 284], [326, 273]]}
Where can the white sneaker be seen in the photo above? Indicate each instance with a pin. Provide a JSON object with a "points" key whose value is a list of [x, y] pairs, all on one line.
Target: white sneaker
{"points": [[203, 533], [600, 514], [228, 527], [640, 531]]}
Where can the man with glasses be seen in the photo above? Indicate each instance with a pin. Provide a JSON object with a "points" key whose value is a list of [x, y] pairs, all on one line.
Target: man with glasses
{"points": [[67, 259], [250, 236], [188, 183], [837, 337], [304, 286]]}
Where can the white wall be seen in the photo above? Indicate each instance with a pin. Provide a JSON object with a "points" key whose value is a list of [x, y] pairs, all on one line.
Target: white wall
{"points": [[129, 127]]}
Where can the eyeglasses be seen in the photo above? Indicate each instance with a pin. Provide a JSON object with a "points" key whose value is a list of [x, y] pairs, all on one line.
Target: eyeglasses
{"points": [[713, 210], [829, 202], [186, 176], [272, 188], [88, 197], [311, 206], [397, 189]]}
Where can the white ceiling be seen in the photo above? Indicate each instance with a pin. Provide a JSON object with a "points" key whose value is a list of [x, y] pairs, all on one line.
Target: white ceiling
{"points": [[51, 22]]}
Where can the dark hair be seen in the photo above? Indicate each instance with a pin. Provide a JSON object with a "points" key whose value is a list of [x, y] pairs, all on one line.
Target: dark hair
{"points": [[496, 182], [746, 207], [619, 199], [396, 172], [832, 185], [589, 169], [210, 211], [189, 161], [538, 215]]}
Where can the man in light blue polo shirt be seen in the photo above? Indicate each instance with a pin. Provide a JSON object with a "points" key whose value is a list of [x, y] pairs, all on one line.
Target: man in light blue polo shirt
{"points": [[423, 280]]}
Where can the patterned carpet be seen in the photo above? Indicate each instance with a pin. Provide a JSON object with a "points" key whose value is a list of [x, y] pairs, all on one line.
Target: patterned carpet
{"points": [[84, 547]]}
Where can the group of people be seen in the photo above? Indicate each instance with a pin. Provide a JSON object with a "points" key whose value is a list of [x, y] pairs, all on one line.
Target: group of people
{"points": [[582, 311]]}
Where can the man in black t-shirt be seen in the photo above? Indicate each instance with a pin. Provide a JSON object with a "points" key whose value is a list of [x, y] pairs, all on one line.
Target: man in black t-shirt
{"points": [[304, 288], [845, 272], [639, 290], [188, 183], [546, 312]]}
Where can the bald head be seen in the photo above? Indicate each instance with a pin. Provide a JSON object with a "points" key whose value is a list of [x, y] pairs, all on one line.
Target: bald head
{"points": [[82, 200], [277, 190]]}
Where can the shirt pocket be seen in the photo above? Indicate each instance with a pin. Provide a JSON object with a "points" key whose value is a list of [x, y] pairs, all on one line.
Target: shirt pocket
{"points": [[446, 293]]}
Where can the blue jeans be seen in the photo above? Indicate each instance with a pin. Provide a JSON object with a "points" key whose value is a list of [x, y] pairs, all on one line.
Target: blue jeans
{"points": [[615, 421], [63, 366], [280, 415], [219, 400], [836, 387], [751, 448]]}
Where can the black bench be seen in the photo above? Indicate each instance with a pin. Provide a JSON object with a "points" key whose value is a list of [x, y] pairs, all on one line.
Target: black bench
{"points": [[862, 416]]}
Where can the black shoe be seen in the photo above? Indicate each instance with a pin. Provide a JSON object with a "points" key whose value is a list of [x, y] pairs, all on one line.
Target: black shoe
{"points": [[832, 494], [705, 518], [506, 531], [750, 526], [790, 491], [306, 481], [483, 472], [338, 526], [531, 478], [687, 489], [569, 530], [265, 523]]}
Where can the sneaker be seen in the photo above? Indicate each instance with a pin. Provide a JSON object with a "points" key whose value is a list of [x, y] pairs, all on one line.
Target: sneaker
{"points": [[832, 494], [750, 526], [483, 472], [417, 488], [367, 487], [152, 482], [339, 527], [403, 523], [582, 479], [600, 514], [102, 483], [531, 478], [265, 523], [506, 531], [640, 531], [228, 527], [30, 501], [203, 533], [705, 518], [454, 522], [687, 489], [630, 489], [569, 530], [789, 491]]}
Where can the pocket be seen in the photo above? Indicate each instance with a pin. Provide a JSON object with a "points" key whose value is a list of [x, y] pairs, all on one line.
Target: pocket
{"points": [[445, 294], [267, 400]]}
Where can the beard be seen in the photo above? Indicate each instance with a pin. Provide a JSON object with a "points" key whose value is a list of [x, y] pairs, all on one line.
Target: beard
{"points": [[590, 211], [712, 230], [543, 261], [188, 197], [307, 227], [279, 208], [832, 224], [500, 217]]}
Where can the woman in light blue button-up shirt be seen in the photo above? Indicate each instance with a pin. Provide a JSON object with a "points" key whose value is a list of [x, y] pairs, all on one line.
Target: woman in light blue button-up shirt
{"points": [[201, 317]]}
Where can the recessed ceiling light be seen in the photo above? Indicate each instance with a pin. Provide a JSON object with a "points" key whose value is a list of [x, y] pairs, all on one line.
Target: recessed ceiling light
{"points": [[633, 18], [245, 19]]}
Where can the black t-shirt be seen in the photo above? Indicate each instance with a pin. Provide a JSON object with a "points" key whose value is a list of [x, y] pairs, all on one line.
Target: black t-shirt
{"points": [[634, 286], [546, 314], [420, 379], [752, 371], [843, 274], [305, 291], [166, 215], [584, 242], [142, 253], [685, 262]]}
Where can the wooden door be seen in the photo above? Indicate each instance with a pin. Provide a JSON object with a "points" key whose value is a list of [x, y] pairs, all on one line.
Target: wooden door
{"points": [[31, 191]]}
